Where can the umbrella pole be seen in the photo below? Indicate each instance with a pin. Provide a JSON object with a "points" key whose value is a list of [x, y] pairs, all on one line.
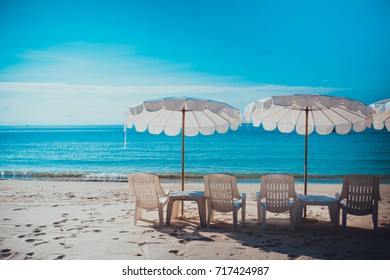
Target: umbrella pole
{"points": [[182, 149], [125, 131], [124, 144], [306, 144], [182, 156]]}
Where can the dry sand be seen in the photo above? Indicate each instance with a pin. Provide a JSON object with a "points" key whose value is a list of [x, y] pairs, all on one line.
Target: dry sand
{"points": [[94, 220]]}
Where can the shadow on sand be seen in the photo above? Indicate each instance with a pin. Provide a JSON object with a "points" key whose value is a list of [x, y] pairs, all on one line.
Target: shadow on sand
{"points": [[185, 232], [314, 240]]}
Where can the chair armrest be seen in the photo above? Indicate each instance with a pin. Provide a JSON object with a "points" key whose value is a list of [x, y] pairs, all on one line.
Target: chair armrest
{"points": [[243, 197], [260, 201], [342, 203], [166, 192], [291, 201]]}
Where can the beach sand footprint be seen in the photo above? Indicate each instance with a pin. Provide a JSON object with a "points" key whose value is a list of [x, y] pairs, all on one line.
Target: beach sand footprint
{"points": [[272, 243], [99, 221], [58, 223], [37, 231], [40, 243], [6, 254], [66, 246], [60, 257], [18, 209], [31, 240], [176, 252], [144, 248], [293, 256], [29, 256], [58, 237]]}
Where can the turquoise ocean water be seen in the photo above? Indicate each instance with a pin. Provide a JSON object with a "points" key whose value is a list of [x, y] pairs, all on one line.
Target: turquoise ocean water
{"points": [[97, 153]]}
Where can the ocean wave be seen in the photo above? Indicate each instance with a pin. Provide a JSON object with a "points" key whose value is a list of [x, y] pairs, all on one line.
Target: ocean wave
{"points": [[117, 177]]}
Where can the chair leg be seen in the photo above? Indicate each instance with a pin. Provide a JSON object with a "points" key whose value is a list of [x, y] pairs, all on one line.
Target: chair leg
{"points": [[334, 214], [175, 209], [202, 212], [331, 214], [299, 215], [137, 214], [375, 215], [258, 212], [161, 214], [243, 214], [263, 217], [212, 215], [243, 210], [295, 215], [209, 214], [170, 207], [293, 218], [235, 214], [344, 218]]}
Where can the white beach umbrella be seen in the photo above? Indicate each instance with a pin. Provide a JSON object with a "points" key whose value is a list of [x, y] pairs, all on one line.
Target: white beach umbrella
{"points": [[382, 115], [306, 112], [174, 115]]}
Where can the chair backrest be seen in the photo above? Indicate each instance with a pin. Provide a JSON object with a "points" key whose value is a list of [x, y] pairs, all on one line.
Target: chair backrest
{"points": [[277, 189], [221, 189], [144, 187], [360, 191]]}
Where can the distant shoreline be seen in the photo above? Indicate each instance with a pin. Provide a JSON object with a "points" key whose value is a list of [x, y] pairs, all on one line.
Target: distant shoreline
{"points": [[112, 177]]}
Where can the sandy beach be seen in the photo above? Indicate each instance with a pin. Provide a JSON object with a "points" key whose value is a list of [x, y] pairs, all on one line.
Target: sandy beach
{"points": [[94, 220]]}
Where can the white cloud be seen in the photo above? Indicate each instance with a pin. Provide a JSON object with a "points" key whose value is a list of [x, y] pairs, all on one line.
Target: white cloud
{"points": [[94, 84], [81, 63], [76, 89]]}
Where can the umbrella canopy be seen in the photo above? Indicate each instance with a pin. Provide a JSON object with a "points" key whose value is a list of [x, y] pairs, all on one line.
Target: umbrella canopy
{"points": [[305, 113], [382, 116], [174, 115]]}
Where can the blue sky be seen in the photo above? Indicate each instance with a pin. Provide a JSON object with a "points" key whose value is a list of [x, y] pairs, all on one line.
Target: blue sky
{"points": [[85, 62]]}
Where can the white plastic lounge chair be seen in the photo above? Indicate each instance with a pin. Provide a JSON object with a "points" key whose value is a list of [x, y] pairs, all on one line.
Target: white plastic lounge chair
{"points": [[360, 196], [222, 195], [148, 194], [277, 195]]}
